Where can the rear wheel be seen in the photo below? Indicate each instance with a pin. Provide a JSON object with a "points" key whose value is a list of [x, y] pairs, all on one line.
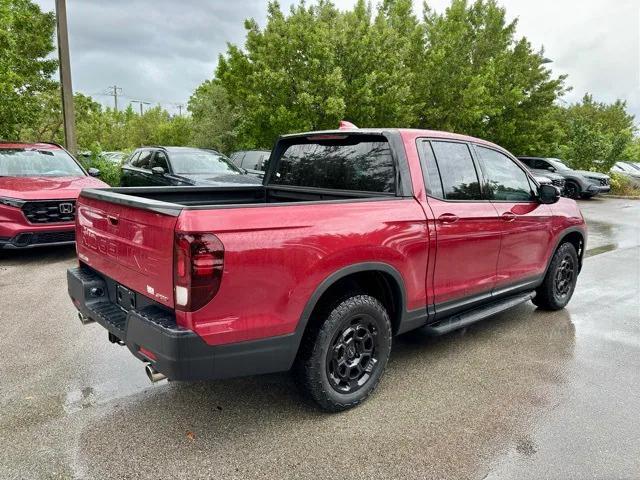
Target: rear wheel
{"points": [[560, 281], [343, 358], [571, 190]]}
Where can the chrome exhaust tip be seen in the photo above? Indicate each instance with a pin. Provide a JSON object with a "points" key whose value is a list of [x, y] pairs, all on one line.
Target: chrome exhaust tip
{"points": [[84, 319], [153, 374]]}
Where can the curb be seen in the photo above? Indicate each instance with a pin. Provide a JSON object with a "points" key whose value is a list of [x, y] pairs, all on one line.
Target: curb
{"points": [[622, 197]]}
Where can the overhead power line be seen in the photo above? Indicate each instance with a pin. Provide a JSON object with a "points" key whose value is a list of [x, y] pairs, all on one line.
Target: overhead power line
{"points": [[114, 91], [142, 103]]}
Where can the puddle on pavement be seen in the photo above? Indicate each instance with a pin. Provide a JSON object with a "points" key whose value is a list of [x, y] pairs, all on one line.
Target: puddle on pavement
{"points": [[605, 237], [80, 399], [598, 250]]}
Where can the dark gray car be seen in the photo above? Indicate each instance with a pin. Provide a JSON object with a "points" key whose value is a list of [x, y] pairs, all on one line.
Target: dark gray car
{"points": [[253, 161], [578, 183], [182, 166]]}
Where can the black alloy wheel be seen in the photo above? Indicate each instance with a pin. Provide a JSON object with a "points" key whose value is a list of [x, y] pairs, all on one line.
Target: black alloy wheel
{"points": [[564, 277], [344, 352], [353, 355], [571, 190], [560, 280]]}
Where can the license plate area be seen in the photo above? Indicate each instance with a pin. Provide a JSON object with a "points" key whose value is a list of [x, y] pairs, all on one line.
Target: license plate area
{"points": [[125, 298]]}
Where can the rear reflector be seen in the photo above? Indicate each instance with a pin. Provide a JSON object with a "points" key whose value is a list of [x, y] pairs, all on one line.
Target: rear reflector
{"points": [[147, 353], [198, 266]]}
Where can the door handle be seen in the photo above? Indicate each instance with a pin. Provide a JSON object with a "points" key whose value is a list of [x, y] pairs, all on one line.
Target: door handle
{"points": [[508, 216], [448, 218]]}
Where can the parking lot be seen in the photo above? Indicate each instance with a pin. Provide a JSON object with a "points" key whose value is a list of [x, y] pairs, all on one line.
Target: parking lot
{"points": [[527, 394]]}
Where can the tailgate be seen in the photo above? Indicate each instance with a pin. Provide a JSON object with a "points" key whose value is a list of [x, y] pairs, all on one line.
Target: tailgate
{"points": [[131, 245]]}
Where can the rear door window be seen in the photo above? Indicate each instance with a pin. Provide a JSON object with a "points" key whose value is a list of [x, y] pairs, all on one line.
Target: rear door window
{"points": [[505, 180], [457, 171], [356, 162]]}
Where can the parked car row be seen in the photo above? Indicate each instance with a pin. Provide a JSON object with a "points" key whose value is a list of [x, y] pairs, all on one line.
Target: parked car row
{"points": [[577, 183], [629, 170]]}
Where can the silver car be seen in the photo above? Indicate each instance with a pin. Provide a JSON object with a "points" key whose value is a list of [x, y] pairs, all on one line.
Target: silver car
{"points": [[578, 183]]}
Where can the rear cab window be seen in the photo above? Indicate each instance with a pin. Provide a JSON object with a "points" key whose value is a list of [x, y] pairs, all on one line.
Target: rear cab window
{"points": [[338, 162]]}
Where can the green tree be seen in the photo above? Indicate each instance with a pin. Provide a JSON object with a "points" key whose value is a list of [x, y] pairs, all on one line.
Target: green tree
{"points": [[214, 120], [463, 70], [288, 77], [596, 134], [479, 79], [26, 39]]}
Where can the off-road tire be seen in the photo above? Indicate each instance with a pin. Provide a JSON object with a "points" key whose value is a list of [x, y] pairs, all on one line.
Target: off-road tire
{"points": [[315, 368], [556, 289]]}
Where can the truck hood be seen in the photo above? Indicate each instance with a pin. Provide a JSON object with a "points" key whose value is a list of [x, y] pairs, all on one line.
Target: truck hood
{"points": [[222, 180], [46, 188]]}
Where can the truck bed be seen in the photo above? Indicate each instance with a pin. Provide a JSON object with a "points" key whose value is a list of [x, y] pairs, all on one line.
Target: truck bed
{"points": [[172, 200]]}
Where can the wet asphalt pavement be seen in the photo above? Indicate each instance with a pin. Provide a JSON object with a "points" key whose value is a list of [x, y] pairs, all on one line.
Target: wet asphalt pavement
{"points": [[527, 394]]}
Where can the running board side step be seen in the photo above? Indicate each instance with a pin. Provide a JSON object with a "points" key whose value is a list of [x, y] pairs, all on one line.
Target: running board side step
{"points": [[475, 315]]}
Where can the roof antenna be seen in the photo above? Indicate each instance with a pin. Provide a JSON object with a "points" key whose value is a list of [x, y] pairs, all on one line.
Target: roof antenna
{"points": [[344, 125]]}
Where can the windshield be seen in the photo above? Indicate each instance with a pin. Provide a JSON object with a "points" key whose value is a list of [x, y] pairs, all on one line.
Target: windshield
{"points": [[194, 162], [557, 164], [38, 163]]}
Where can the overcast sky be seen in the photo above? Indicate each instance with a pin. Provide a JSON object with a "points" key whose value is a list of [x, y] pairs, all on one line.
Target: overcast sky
{"points": [[161, 50]]}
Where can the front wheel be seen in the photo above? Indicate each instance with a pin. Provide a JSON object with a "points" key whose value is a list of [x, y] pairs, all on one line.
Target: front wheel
{"points": [[343, 357], [572, 190], [560, 281]]}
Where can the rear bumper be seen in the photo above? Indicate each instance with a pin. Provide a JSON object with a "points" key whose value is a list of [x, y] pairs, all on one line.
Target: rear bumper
{"points": [[179, 354]]}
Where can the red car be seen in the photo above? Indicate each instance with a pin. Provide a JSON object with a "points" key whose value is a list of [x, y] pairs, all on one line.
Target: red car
{"points": [[355, 236], [39, 185]]}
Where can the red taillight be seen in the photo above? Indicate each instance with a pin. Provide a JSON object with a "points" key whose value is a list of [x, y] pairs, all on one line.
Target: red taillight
{"points": [[198, 266]]}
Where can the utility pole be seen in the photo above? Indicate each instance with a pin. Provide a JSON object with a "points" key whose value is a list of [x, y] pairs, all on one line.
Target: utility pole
{"points": [[141, 102], [68, 113], [114, 92], [180, 105]]}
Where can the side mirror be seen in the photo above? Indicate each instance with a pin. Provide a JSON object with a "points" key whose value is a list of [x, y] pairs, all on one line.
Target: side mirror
{"points": [[551, 169], [157, 171], [548, 194], [93, 172]]}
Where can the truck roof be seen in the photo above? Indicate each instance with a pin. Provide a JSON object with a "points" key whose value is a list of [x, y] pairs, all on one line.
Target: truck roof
{"points": [[405, 132], [37, 145]]}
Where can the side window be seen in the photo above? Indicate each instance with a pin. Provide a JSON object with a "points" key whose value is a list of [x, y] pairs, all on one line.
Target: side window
{"points": [[143, 160], [528, 162], [430, 172], [160, 160], [457, 171], [249, 160], [505, 179], [236, 158], [133, 158], [541, 165]]}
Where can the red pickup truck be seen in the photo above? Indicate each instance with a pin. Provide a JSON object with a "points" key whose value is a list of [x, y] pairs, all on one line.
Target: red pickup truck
{"points": [[355, 236]]}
